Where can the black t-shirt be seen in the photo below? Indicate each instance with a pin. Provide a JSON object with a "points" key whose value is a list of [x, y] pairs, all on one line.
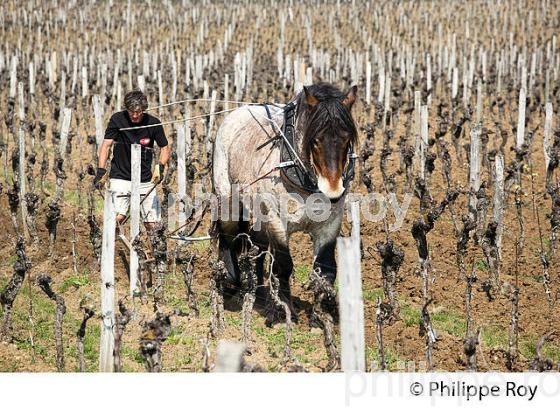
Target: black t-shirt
{"points": [[120, 164]]}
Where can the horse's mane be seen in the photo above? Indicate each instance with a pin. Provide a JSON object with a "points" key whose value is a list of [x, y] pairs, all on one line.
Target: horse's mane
{"points": [[328, 114]]}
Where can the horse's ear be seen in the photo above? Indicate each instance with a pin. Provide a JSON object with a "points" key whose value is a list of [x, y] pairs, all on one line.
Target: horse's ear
{"points": [[350, 97], [309, 98]]}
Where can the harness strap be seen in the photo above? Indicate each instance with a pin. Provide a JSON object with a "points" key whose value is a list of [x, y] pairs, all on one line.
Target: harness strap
{"points": [[292, 170], [273, 139], [298, 175]]}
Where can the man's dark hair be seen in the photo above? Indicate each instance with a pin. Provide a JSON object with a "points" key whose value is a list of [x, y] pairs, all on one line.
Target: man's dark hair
{"points": [[135, 101]]}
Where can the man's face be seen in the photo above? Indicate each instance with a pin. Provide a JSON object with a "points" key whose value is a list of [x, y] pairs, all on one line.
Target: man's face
{"points": [[135, 116]]}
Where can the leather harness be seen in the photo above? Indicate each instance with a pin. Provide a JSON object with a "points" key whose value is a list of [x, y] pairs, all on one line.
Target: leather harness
{"points": [[292, 170]]}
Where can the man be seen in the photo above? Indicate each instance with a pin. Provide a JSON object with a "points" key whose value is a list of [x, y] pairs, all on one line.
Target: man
{"points": [[135, 103]]}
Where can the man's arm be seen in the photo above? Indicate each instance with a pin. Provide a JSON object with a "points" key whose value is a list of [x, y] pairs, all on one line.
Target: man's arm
{"points": [[101, 174], [159, 170], [164, 155], [104, 153]]}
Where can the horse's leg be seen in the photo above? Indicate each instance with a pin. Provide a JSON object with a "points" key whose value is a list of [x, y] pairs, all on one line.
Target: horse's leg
{"points": [[282, 269], [262, 242], [324, 244], [326, 261], [227, 253]]}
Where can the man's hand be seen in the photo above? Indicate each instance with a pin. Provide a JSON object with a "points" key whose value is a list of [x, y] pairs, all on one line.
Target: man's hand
{"points": [[157, 176], [100, 178]]}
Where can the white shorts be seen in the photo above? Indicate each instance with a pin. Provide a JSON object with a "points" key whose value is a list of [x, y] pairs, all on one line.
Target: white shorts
{"points": [[150, 211]]}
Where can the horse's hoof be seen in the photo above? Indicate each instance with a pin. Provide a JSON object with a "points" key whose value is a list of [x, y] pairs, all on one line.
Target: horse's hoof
{"points": [[272, 317], [261, 297], [313, 322], [331, 307], [276, 314], [327, 306], [230, 289]]}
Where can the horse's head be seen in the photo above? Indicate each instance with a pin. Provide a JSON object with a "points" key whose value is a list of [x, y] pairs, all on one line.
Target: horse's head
{"points": [[328, 130]]}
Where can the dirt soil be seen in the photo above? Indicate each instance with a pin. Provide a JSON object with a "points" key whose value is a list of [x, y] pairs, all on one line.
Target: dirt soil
{"points": [[32, 347]]}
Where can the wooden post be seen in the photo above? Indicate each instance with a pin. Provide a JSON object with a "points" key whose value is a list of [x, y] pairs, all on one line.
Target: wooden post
{"points": [[474, 169], [368, 82], [62, 99], [129, 76], [50, 75], [22, 182], [416, 130], [302, 71], [31, 79], [455, 83], [547, 131], [309, 76], [381, 76], [226, 92], [53, 67], [135, 175], [521, 119], [74, 76], [429, 79], [466, 90], [479, 102], [174, 78], [107, 285], [229, 356], [13, 77], [182, 171], [498, 206], [209, 139], [423, 138], [484, 65], [212, 117], [118, 107], [21, 164], [85, 91], [141, 83], [499, 81], [387, 98], [98, 113], [160, 92], [64, 130], [350, 297], [115, 81], [206, 90]]}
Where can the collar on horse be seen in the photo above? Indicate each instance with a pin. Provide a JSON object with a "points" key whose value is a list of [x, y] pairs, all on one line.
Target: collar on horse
{"points": [[292, 169]]}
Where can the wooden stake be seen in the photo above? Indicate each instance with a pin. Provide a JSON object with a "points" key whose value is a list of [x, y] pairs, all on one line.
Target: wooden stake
{"points": [[182, 171], [547, 132], [350, 298], [423, 138], [498, 207], [229, 356], [381, 81], [136, 152], [474, 169], [98, 113], [107, 285], [64, 130], [521, 119], [368, 82], [479, 102]]}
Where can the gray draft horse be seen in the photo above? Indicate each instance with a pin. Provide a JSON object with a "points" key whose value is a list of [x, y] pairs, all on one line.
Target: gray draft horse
{"points": [[250, 153]]}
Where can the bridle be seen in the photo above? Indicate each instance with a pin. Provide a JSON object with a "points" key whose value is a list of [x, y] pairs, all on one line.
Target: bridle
{"points": [[292, 169]]}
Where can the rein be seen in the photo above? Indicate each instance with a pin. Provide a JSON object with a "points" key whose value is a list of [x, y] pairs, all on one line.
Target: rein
{"points": [[203, 208]]}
